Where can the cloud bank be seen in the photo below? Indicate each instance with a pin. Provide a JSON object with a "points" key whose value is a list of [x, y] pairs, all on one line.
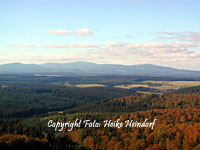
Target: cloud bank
{"points": [[78, 32]]}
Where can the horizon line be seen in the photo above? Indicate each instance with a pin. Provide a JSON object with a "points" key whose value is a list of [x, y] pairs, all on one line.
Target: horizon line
{"points": [[93, 63]]}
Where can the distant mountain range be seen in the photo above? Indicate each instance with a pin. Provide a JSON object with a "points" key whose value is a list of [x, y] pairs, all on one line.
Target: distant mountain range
{"points": [[87, 68]]}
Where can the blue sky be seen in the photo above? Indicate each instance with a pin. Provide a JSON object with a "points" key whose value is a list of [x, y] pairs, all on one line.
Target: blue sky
{"points": [[160, 32]]}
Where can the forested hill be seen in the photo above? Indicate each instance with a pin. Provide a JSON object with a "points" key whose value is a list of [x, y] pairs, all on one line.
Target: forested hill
{"points": [[23, 102], [142, 102], [177, 125], [195, 89], [77, 68]]}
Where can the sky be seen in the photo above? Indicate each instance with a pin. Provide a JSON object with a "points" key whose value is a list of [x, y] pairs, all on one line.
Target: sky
{"points": [[128, 32]]}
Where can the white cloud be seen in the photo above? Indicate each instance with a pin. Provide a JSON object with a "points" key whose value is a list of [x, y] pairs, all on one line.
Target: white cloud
{"points": [[79, 45], [126, 53], [167, 33], [190, 36], [82, 45], [78, 32], [195, 37], [54, 46], [149, 51], [176, 55], [182, 54], [113, 44], [83, 32], [24, 45], [59, 32]]}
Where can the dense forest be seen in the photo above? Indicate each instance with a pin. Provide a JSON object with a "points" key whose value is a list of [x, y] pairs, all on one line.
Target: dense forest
{"points": [[54, 81], [195, 89], [25, 116], [24, 102], [139, 102], [174, 129]]}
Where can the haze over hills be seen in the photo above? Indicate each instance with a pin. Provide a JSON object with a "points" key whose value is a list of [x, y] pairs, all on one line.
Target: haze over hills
{"points": [[94, 69]]}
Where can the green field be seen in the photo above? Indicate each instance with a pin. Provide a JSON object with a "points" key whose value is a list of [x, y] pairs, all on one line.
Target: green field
{"points": [[136, 83], [162, 85], [89, 85]]}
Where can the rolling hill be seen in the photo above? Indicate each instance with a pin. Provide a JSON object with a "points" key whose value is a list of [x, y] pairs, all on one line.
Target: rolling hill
{"points": [[87, 68]]}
